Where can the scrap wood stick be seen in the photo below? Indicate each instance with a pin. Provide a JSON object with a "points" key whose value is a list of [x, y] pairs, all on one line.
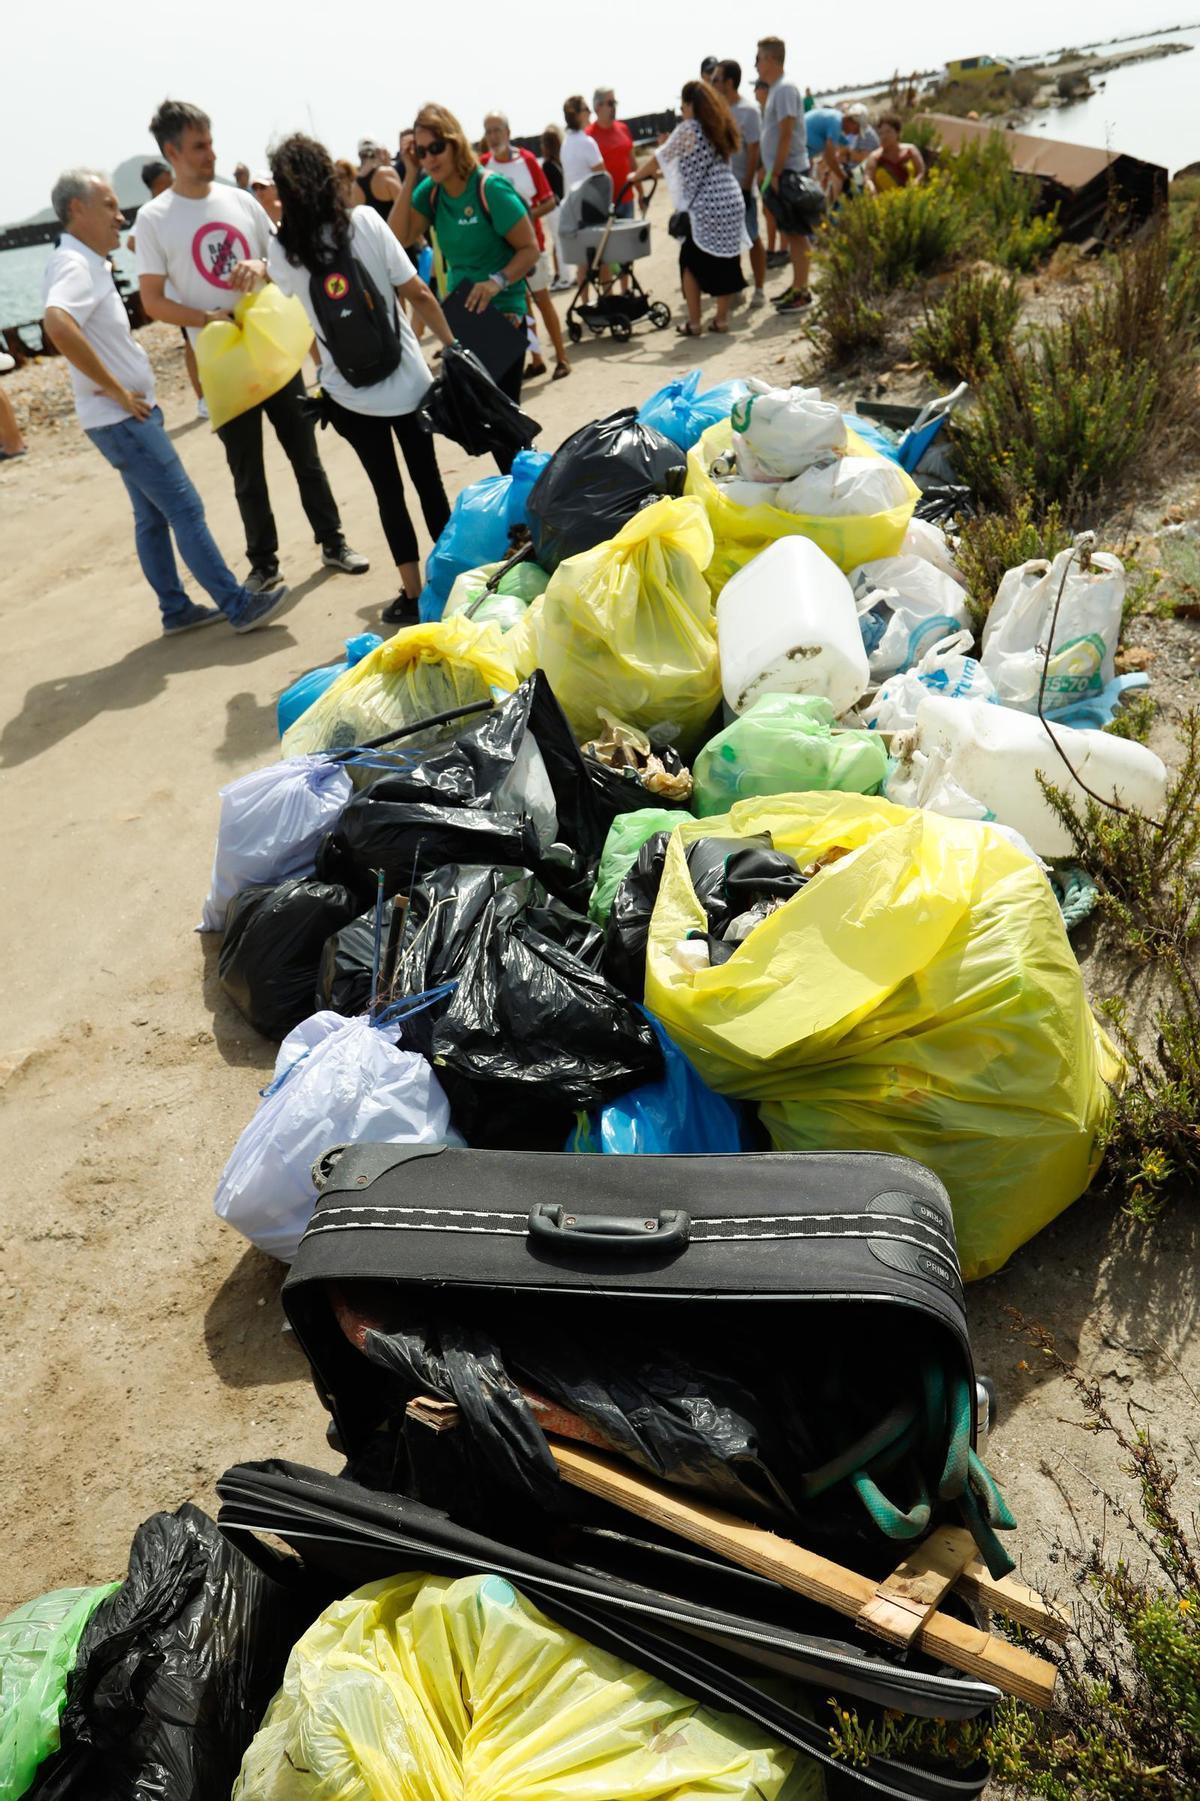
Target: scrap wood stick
{"points": [[952, 1641]]}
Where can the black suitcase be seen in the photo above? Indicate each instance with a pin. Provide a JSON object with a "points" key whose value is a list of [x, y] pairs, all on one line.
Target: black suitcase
{"points": [[841, 1268]]}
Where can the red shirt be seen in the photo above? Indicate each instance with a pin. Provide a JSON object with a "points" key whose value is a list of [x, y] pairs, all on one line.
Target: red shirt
{"points": [[615, 144], [526, 175]]}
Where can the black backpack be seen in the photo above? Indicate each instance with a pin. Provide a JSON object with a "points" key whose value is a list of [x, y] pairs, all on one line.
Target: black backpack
{"points": [[354, 322]]}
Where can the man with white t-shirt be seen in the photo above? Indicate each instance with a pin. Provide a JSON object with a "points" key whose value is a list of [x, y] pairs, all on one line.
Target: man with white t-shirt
{"points": [[86, 320], [199, 246]]}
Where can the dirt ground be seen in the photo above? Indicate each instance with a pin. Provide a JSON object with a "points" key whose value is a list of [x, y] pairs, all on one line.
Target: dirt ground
{"points": [[141, 1349]]}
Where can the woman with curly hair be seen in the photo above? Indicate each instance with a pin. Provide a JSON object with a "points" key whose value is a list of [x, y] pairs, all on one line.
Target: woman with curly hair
{"points": [[483, 226], [707, 200], [317, 232]]}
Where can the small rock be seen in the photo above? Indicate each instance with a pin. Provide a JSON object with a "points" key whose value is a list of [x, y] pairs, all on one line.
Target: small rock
{"points": [[141, 1022], [1173, 516], [1133, 657]]}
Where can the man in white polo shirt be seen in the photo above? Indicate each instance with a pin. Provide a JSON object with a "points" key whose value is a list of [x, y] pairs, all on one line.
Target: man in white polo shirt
{"points": [[85, 319], [199, 246]]}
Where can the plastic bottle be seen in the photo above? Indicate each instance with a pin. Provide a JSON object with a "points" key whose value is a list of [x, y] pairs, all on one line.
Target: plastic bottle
{"points": [[787, 624], [996, 754]]}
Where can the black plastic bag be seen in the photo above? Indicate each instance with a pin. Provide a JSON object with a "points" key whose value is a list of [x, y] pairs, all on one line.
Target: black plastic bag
{"points": [[731, 877], [271, 951], [347, 962], [465, 405], [176, 1669], [519, 758], [408, 840], [596, 481]]}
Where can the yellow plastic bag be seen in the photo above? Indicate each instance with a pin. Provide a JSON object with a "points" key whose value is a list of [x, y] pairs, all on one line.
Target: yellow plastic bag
{"points": [[739, 533], [249, 358], [917, 996], [627, 628], [419, 1688], [423, 670]]}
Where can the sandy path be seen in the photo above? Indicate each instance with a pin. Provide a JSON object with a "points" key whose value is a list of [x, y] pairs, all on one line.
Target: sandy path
{"points": [[140, 1344]]}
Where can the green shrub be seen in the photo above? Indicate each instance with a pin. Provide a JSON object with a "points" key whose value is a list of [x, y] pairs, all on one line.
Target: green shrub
{"points": [[992, 543], [968, 327], [1004, 202]]}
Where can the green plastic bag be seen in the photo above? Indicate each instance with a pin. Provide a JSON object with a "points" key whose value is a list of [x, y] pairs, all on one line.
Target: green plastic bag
{"points": [[626, 836], [785, 744], [423, 1688], [513, 593], [38, 1642]]}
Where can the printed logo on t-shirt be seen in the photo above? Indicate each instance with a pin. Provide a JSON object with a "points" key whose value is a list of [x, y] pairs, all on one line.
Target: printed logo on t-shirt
{"points": [[336, 286], [217, 249]]}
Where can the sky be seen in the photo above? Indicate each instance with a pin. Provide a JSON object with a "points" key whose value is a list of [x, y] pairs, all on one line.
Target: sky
{"points": [[83, 93]]}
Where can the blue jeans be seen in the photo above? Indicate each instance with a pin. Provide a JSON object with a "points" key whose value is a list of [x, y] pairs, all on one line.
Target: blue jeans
{"points": [[165, 501]]}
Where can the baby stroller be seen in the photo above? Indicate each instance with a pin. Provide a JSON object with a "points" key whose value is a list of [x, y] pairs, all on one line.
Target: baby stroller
{"points": [[590, 235]]}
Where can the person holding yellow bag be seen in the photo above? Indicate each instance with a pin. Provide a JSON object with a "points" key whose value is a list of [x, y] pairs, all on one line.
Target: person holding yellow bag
{"points": [[199, 247]]}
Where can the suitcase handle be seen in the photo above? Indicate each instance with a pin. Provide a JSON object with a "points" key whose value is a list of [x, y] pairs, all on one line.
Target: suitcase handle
{"points": [[608, 1231]]}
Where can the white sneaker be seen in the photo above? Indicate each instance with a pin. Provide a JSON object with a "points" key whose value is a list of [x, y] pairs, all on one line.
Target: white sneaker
{"points": [[202, 408], [758, 298]]}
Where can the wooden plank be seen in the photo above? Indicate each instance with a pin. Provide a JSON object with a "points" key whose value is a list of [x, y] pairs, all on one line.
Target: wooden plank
{"points": [[1014, 1599], [952, 1641], [903, 1602]]}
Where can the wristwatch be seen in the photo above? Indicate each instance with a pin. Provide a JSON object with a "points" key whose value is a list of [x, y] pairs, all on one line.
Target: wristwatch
{"points": [[501, 280]]}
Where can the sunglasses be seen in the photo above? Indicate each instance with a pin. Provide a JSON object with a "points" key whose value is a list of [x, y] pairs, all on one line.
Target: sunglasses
{"points": [[435, 147]]}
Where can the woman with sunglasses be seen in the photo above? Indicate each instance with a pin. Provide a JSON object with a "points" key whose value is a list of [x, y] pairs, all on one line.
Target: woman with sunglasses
{"points": [[319, 234], [482, 224]]}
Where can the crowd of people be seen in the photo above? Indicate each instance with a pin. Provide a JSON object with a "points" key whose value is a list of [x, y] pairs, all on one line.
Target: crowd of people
{"points": [[445, 224]]}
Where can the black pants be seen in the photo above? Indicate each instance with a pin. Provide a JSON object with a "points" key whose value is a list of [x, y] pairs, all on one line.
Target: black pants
{"points": [[511, 385], [370, 436], [243, 441]]}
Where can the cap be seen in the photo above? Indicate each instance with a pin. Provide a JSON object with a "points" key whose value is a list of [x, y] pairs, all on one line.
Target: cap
{"points": [[368, 147], [262, 178]]}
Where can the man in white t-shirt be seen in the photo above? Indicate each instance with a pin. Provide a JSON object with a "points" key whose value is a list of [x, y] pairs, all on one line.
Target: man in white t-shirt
{"points": [[785, 162], [727, 79], [86, 321], [198, 247]]}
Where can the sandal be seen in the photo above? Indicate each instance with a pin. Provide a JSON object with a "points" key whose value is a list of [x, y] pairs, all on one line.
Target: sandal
{"points": [[561, 372], [721, 328], [532, 369], [688, 330]]}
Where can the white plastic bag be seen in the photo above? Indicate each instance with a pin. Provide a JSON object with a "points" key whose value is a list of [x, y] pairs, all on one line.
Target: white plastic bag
{"points": [[336, 1080], [744, 493], [944, 669], [905, 605], [271, 823], [840, 485], [925, 539], [1085, 637], [777, 432]]}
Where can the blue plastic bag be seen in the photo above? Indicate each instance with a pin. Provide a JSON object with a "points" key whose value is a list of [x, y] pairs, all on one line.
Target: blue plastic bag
{"points": [[877, 436], [309, 687], [678, 1116], [680, 412], [478, 527]]}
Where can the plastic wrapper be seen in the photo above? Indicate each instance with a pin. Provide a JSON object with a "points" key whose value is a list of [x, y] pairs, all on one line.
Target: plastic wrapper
{"points": [[336, 1081], [479, 528], [784, 744], [739, 533], [175, 1669], [423, 1688], [423, 671], [596, 481], [680, 412], [465, 405], [271, 825], [627, 629], [297, 698], [677, 1117], [626, 836], [271, 951], [945, 669], [918, 996], [244, 360], [38, 1644]]}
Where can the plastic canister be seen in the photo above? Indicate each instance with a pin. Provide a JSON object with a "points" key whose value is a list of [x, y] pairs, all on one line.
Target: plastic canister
{"points": [[997, 755], [787, 624]]}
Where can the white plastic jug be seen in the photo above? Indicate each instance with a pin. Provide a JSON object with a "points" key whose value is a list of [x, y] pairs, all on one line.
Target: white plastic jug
{"points": [[786, 624], [997, 754]]}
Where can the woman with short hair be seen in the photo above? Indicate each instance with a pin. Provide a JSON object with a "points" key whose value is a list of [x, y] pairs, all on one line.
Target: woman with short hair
{"points": [[318, 237], [705, 194]]}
